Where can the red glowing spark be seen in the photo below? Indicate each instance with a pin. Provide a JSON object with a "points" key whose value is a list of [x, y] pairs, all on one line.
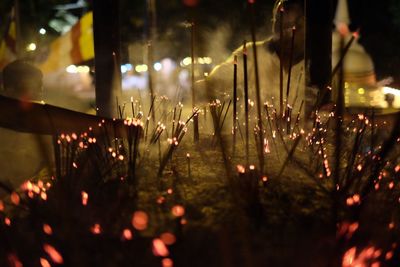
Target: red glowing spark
{"points": [[183, 221], [15, 198], [47, 229], [389, 255], [178, 210], [159, 248], [160, 200], [168, 238], [391, 185], [391, 225], [53, 253], [1, 205], [167, 262], [43, 195], [170, 191], [96, 229], [13, 260], [127, 234], [85, 198], [140, 220], [397, 168], [44, 262], [7, 221], [240, 168]]}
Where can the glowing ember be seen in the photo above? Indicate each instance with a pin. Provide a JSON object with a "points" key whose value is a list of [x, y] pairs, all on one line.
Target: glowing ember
{"points": [[53, 253], [140, 220], [47, 229], [240, 169], [44, 262], [367, 257], [7, 221], [389, 255], [167, 262], [160, 200], [170, 191], [96, 229], [85, 198], [159, 248], [397, 168], [178, 210], [15, 198], [168, 238], [1, 205], [13, 260], [127, 234], [43, 195]]}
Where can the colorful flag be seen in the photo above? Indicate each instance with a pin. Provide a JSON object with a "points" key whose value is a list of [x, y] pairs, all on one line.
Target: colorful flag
{"points": [[71, 48]]}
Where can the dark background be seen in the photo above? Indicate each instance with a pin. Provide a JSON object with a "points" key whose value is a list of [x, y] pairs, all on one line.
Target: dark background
{"points": [[378, 22]]}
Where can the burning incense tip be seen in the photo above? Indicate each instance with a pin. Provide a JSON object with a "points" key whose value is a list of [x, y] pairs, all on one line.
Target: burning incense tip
{"points": [[127, 234], [53, 253], [168, 238], [96, 229], [140, 220], [159, 248], [178, 210]]}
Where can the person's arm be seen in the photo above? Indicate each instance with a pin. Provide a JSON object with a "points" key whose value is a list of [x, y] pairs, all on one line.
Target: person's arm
{"points": [[38, 118]]}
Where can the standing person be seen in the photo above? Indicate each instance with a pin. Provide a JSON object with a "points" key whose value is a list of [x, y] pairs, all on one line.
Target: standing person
{"points": [[271, 53], [22, 155]]}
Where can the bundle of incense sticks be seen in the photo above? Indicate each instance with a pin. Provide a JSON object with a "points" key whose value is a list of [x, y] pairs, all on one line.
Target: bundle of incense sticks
{"points": [[234, 122], [195, 118], [246, 100]]}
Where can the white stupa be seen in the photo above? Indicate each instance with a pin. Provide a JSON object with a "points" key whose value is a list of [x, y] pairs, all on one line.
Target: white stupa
{"points": [[361, 87]]}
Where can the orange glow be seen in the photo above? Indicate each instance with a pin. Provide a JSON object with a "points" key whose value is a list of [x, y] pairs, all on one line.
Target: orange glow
{"points": [[96, 229], [170, 191], [140, 220], [389, 255], [15, 198], [43, 195], [85, 198], [1, 205], [160, 200], [178, 210], [7, 221], [240, 168], [167, 262], [44, 262], [397, 168], [168, 238], [127, 234], [159, 248], [47, 229], [13, 260], [53, 253]]}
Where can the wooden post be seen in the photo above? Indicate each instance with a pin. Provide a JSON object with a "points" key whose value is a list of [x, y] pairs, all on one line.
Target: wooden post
{"points": [[319, 17], [107, 56]]}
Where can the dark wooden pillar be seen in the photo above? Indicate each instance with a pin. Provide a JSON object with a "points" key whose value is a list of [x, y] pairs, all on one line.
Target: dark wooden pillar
{"points": [[107, 56], [319, 16]]}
